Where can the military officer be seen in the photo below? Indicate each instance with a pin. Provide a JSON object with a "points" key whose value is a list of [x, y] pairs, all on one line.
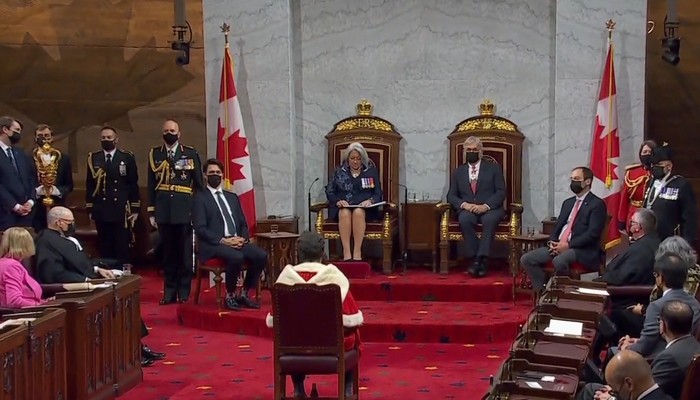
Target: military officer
{"points": [[173, 175], [671, 198], [632, 192], [112, 196]]}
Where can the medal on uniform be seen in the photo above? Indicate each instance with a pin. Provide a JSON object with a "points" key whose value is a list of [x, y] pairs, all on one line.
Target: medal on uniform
{"points": [[172, 174], [122, 169], [183, 175]]}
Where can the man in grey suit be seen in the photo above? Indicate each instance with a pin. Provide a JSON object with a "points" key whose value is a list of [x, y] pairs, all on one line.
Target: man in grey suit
{"points": [[670, 272], [669, 367], [477, 192]]}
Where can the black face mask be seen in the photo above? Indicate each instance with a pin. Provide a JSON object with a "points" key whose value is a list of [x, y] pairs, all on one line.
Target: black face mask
{"points": [[658, 172], [576, 186], [170, 138], [645, 160], [40, 141], [214, 180], [15, 138], [108, 145], [472, 157], [70, 231]]}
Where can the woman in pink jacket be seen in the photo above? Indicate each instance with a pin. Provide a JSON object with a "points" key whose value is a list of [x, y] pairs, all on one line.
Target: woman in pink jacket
{"points": [[17, 288]]}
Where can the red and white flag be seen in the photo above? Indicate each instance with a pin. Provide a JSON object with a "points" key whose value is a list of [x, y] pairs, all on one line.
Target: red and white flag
{"points": [[605, 152], [232, 144]]}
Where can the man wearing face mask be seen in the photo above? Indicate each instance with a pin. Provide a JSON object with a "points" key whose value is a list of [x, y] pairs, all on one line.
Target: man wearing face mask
{"points": [[112, 195], [576, 235], [17, 178], [632, 192], [64, 177], [174, 173], [671, 198]]}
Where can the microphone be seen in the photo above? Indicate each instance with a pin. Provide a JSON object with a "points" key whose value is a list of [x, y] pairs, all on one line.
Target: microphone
{"points": [[308, 199]]}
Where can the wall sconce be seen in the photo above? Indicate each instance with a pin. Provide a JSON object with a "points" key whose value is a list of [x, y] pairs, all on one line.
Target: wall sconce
{"points": [[182, 31]]}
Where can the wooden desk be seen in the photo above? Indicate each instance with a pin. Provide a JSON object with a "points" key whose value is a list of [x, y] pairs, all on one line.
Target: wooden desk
{"points": [[521, 244], [282, 250], [421, 222], [290, 224]]}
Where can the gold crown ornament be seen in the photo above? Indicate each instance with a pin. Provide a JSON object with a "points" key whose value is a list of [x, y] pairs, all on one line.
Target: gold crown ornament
{"points": [[364, 107], [487, 108]]}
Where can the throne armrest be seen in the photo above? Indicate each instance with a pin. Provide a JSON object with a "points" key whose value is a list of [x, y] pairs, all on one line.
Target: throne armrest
{"points": [[318, 207], [442, 207], [630, 291], [516, 208], [390, 208]]}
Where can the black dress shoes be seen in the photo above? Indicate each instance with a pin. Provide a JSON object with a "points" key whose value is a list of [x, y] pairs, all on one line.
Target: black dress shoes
{"points": [[183, 300], [167, 300], [246, 302], [478, 269], [147, 362], [148, 353], [231, 304]]}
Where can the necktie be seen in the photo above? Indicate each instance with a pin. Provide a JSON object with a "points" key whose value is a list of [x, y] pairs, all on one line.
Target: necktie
{"points": [[227, 216], [567, 232], [109, 159], [12, 159], [472, 179]]}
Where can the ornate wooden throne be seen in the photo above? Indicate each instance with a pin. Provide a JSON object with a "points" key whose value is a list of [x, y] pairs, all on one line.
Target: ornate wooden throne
{"points": [[381, 140], [502, 144]]}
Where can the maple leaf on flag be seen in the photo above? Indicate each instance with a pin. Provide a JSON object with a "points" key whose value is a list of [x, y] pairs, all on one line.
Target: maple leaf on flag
{"points": [[599, 164], [238, 148]]}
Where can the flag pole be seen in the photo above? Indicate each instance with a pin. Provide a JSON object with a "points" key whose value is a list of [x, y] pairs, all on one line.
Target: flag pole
{"points": [[610, 26], [225, 29]]}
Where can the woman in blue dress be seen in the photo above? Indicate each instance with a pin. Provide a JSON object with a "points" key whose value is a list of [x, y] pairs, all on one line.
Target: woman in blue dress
{"points": [[352, 190]]}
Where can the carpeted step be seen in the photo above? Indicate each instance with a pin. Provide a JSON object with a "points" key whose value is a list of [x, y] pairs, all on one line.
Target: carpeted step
{"points": [[385, 322]]}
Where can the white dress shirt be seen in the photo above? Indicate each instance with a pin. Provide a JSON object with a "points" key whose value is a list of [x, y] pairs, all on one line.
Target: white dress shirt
{"points": [[227, 229], [474, 171], [110, 153], [648, 392], [675, 340], [571, 213]]}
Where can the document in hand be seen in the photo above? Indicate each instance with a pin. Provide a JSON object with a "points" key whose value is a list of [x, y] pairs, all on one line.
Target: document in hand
{"points": [[370, 206]]}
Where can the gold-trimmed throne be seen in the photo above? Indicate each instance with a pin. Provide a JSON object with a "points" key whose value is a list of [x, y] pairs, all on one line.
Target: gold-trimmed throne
{"points": [[382, 141], [503, 145]]}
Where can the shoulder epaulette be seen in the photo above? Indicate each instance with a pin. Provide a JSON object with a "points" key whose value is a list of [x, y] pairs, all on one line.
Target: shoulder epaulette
{"points": [[633, 166], [126, 152], [189, 147]]}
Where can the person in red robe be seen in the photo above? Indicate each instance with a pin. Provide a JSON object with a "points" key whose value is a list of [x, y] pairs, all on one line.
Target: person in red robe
{"points": [[632, 192], [310, 252]]}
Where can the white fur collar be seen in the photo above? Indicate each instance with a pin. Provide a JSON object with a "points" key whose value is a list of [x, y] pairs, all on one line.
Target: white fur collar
{"points": [[325, 275]]}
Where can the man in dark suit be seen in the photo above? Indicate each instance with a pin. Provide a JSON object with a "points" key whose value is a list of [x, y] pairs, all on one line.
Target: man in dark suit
{"points": [[64, 178], [477, 192], [222, 232], [174, 173], [60, 259], [576, 235], [669, 367], [112, 196], [17, 178]]}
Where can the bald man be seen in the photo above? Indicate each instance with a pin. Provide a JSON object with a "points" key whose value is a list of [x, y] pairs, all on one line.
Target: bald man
{"points": [[629, 377]]}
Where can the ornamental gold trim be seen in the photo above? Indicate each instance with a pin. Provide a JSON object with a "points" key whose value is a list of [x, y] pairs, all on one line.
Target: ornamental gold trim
{"points": [[486, 123], [364, 123]]}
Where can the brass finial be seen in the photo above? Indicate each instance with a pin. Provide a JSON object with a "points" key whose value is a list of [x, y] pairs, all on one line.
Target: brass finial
{"points": [[487, 108], [364, 108], [610, 26], [226, 29]]}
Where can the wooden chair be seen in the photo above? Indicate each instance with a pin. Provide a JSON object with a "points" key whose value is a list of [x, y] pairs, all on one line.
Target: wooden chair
{"points": [[310, 343], [381, 140], [691, 389], [218, 267], [503, 145]]}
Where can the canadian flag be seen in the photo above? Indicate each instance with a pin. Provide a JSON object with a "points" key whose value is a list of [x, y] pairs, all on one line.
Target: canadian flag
{"points": [[232, 144], [605, 152]]}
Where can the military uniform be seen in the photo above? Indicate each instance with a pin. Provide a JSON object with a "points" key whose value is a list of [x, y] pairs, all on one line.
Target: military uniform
{"points": [[632, 194], [111, 196], [172, 178], [674, 207]]}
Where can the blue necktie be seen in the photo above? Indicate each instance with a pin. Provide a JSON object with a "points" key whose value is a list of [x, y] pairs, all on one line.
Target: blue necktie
{"points": [[224, 211], [12, 159]]}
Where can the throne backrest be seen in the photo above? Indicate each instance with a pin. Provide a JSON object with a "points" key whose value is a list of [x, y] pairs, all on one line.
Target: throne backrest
{"points": [[502, 144], [380, 139]]}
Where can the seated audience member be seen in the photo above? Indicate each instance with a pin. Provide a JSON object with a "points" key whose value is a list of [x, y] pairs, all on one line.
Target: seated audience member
{"points": [[576, 235], [310, 250], [17, 288], [629, 376], [477, 191], [355, 182], [60, 259], [222, 232], [669, 366], [670, 272], [629, 321]]}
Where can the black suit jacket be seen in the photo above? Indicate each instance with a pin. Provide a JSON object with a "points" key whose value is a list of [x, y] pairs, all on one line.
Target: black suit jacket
{"points": [[17, 186], [490, 186], [635, 266], [669, 366], [209, 223], [58, 260], [587, 230]]}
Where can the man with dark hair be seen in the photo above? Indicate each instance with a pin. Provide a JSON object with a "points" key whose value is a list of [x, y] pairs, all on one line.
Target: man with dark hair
{"points": [[576, 235], [112, 195], [17, 178], [310, 250], [222, 232], [670, 272], [64, 176], [671, 197]]}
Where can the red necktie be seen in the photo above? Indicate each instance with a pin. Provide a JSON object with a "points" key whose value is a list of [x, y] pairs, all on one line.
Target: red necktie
{"points": [[567, 232], [472, 182]]}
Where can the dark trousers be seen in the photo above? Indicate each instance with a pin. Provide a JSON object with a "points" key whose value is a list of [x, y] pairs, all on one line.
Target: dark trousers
{"points": [[144, 330], [489, 222], [250, 253], [113, 240], [535, 261], [176, 240]]}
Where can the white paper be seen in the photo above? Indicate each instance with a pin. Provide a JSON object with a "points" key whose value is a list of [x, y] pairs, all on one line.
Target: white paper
{"points": [[16, 322], [534, 385], [370, 206], [117, 272], [102, 285], [597, 292], [557, 326], [548, 379]]}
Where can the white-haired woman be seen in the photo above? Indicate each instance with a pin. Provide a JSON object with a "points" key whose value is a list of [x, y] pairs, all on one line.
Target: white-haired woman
{"points": [[355, 182]]}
